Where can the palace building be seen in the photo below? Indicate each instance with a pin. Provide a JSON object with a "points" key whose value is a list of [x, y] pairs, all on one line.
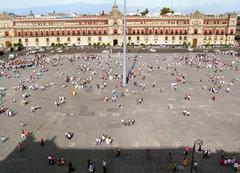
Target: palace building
{"points": [[196, 29]]}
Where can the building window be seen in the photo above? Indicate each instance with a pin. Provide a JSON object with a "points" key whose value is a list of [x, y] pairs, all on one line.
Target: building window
{"points": [[63, 32], [19, 34], [84, 32], [68, 39], [185, 32], [89, 38], [138, 32], [205, 38], [58, 39], [161, 32], [173, 37], [222, 32], [47, 33], [210, 32], [142, 32], [138, 38], [180, 38], [129, 38], [6, 33], [26, 40], [89, 32], [41, 33], [166, 38], [52, 33], [133, 32], [73, 32], [217, 32], [105, 32], [79, 39], [36, 33], [37, 40], [99, 39], [231, 31], [99, 32], [180, 32], [185, 37], [25, 33], [195, 31], [171, 31], [58, 33], [68, 33], [166, 31], [19, 40], [156, 32], [31, 33], [47, 39], [215, 38]]}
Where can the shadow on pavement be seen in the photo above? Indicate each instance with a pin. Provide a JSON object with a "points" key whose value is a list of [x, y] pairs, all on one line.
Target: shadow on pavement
{"points": [[34, 159]]}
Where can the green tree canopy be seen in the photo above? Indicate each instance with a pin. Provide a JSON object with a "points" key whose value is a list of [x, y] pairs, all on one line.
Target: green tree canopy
{"points": [[145, 12], [166, 10]]}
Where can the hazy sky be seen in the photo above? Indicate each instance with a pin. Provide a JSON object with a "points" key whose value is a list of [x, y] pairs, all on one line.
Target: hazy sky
{"points": [[176, 4]]}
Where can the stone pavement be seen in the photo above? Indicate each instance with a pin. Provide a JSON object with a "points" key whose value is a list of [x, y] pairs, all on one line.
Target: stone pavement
{"points": [[157, 128]]}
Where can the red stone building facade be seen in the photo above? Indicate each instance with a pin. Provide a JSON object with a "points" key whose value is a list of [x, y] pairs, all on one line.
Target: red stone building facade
{"points": [[195, 29]]}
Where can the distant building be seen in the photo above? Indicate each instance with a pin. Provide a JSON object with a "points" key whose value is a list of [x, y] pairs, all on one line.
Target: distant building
{"points": [[238, 29], [196, 29]]}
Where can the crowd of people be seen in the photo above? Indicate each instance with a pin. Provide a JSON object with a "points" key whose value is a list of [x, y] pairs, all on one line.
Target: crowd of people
{"points": [[91, 68]]}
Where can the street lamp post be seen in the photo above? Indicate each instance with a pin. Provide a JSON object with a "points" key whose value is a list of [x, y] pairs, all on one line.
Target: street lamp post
{"points": [[198, 142], [125, 47]]}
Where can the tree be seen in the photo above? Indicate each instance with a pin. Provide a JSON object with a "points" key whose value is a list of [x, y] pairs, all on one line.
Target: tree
{"points": [[53, 45], [89, 44], [8, 44], [94, 45], [184, 44], [166, 10], [108, 44], [98, 44], [145, 12], [103, 45], [19, 46]]}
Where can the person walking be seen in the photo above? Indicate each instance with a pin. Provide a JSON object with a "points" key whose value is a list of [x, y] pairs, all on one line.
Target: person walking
{"points": [[2, 139], [195, 165], [42, 142], [89, 162], [70, 167], [104, 166], [19, 147], [117, 152]]}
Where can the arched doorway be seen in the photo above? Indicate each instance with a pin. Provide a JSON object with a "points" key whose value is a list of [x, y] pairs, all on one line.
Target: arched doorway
{"points": [[115, 42]]}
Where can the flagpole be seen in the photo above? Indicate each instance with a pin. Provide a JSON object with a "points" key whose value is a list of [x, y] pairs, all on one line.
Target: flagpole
{"points": [[125, 47]]}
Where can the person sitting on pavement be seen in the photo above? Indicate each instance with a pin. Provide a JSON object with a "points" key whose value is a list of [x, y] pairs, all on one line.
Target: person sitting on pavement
{"points": [[68, 135]]}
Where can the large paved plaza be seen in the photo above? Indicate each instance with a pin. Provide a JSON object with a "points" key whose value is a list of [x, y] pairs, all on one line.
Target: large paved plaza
{"points": [[158, 127]]}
